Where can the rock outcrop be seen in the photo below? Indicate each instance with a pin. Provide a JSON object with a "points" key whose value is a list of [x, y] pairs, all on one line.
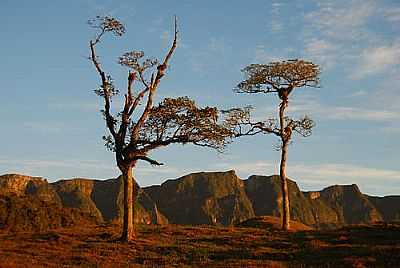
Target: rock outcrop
{"points": [[217, 198], [265, 195], [203, 198], [388, 206], [350, 205], [103, 199], [31, 203]]}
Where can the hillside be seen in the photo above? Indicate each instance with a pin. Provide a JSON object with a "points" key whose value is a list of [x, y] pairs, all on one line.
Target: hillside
{"points": [[215, 198], [31, 203], [203, 198]]}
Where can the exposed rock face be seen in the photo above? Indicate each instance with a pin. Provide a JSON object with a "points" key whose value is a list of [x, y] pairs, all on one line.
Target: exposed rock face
{"points": [[29, 203], [76, 193], [266, 197], [104, 200], [388, 206], [17, 184], [350, 205], [203, 198]]}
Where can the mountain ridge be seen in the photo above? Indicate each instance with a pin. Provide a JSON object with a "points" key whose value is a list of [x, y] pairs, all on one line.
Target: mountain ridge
{"points": [[216, 198]]}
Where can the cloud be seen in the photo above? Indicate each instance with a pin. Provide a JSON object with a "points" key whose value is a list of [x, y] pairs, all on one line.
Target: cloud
{"points": [[368, 179], [262, 56], [43, 127], [318, 176], [244, 169], [89, 106], [343, 172], [353, 113], [276, 24], [342, 20], [375, 60], [322, 51], [202, 57], [328, 112], [392, 14], [63, 168]]}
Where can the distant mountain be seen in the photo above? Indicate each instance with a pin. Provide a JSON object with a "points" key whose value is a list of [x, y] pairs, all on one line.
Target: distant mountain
{"points": [[216, 198], [350, 205], [388, 206], [266, 197], [103, 199], [203, 198], [31, 203]]}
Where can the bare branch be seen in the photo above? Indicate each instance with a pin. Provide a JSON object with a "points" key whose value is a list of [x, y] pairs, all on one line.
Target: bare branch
{"points": [[153, 87], [105, 87], [149, 160]]}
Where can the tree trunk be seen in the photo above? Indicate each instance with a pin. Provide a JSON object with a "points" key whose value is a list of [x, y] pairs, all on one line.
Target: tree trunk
{"points": [[128, 230], [285, 137], [284, 188]]}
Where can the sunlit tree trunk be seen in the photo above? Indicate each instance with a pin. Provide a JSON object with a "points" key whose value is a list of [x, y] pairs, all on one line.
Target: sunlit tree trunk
{"points": [[284, 152], [284, 188], [128, 230]]}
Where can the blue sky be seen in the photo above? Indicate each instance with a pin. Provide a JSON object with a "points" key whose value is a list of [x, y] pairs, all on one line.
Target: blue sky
{"points": [[51, 126]]}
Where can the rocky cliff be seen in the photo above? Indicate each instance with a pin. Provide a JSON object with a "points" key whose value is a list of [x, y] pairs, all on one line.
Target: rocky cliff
{"points": [[203, 198], [217, 198], [350, 205], [388, 206], [266, 197], [103, 199], [31, 203]]}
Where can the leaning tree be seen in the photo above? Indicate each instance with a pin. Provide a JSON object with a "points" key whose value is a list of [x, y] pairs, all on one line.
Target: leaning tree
{"points": [[138, 129], [280, 78]]}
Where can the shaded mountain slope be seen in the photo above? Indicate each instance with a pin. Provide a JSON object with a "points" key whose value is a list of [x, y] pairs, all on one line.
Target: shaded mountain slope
{"points": [[31, 203], [203, 198], [217, 198], [266, 197], [350, 205], [388, 206], [103, 199]]}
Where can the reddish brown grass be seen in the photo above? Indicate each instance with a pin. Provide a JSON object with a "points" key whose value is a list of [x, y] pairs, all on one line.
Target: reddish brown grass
{"points": [[202, 246]]}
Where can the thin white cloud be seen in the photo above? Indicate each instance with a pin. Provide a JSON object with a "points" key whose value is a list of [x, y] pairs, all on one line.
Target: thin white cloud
{"points": [[243, 169], [343, 172], [375, 60], [370, 180], [276, 23], [322, 52], [328, 112], [74, 105], [203, 58], [318, 176], [262, 56], [352, 113], [43, 127], [342, 20], [392, 14], [65, 168]]}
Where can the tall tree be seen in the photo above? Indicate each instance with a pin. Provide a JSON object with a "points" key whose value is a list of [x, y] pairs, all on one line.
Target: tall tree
{"points": [[137, 130], [280, 78]]}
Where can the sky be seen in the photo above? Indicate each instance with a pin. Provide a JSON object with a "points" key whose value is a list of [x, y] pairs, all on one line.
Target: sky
{"points": [[51, 125]]}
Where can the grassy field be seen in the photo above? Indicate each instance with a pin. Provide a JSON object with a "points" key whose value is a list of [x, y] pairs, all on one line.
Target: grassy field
{"points": [[203, 246]]}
